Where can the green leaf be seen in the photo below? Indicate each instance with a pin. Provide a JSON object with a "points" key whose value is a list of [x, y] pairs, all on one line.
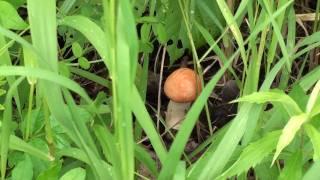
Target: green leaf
{"points": [[91, 76], [9, 18], [45, 75], [263, 171], [39, 165], [1, 107], [145, 32], [147, 19], [30, 60], [313, 172], [76, 49], [84, 63], [145, 121], [180, 173], [145, 47], [289, 132], [23, 170], [51, 173], [313, 104], [73, 153], [16, 3], [293, 167], [74, 174], [175, 26], [314, 136], [253, 154], [309, 79], [144, 157], [226, 12], [161, 33], [64, 69], [2, 92], [19, 145], [273, 96]]}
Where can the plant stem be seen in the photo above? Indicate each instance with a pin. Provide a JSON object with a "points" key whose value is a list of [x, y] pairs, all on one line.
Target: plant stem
{"points": [[29, 120]]}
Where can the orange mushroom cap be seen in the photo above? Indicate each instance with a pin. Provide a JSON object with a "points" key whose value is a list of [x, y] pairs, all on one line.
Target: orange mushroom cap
{"points": [[183, 85]]}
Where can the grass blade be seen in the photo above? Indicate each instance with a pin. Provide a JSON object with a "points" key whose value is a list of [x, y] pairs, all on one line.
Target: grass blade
{"points": [[6, 127]]}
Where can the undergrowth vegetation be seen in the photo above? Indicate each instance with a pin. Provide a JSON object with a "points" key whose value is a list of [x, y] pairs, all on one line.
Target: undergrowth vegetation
{"points": [[81, 89]]}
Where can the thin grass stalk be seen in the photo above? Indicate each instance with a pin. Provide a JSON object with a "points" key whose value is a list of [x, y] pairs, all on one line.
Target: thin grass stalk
{"points": [[197, 65]]}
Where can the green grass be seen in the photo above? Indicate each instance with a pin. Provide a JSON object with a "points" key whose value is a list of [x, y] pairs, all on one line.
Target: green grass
{"points": [[53, 127]]}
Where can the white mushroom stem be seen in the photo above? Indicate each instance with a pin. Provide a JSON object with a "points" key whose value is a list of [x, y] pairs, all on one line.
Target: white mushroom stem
{"points": [[176, 113]]}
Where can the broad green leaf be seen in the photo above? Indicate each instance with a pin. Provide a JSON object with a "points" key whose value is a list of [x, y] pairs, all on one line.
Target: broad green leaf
{"points": [[289, 132], [273, 96], [2, 92], [313, 172], [15, 157], [74, 174], [180, 173], [64, 69], [73, 153], [145, 47], [293, 167], [39, 165], [18, 144], [23, 170], [10, 18], [51, 173], [314, 136], [263, 171], [16, 3], [76, 49], [161, 33], [84, 63], [253, 154], [145, 32]]}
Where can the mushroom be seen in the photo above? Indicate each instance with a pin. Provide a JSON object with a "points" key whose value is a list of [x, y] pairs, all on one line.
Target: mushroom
{"points": [[181, 87]]}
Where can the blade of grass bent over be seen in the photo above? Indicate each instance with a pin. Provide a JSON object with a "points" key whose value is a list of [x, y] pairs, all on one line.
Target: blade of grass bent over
{"points": [[146, 123]]}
